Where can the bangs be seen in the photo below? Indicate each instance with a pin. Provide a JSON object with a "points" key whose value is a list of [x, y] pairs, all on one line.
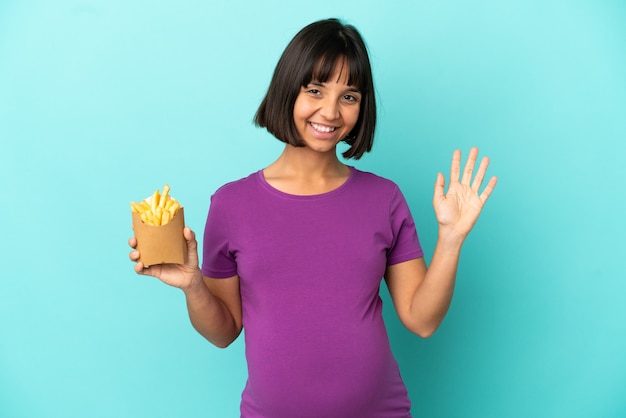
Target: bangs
{"points": [[350, 67]]}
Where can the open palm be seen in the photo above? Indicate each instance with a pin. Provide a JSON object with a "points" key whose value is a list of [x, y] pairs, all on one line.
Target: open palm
{"points": [[458, 208]]}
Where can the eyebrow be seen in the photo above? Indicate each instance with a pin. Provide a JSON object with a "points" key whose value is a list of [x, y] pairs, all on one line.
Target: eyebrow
{"points": [[321, 84]]}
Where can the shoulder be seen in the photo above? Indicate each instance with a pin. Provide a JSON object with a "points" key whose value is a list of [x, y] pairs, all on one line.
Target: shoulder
{"points": [[237, 188], [374, 182], [378, 191]]}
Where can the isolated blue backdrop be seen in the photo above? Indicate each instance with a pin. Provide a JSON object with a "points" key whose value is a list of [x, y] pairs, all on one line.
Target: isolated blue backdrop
{"points": [[102, 102]]}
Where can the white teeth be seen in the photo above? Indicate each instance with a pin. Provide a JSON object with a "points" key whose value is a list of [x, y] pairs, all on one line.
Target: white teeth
{"points": [[322, 128]]}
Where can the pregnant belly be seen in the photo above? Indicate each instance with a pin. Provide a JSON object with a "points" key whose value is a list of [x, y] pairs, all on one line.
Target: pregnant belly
{"points": [[323, 374]]}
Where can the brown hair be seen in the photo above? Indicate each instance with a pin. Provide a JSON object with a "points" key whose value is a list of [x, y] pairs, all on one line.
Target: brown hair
{"points": [[313, 55]]}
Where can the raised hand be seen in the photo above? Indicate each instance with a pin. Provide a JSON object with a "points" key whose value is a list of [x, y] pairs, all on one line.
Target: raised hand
{"points": [[178, 275], [457, 210]]}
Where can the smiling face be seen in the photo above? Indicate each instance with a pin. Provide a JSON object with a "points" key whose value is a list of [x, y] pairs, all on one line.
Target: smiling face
{"points": [[325, 113]]}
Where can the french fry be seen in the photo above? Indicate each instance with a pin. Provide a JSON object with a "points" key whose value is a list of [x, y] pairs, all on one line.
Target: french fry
{"points": [[136, 207], [154, 201], [157, 210], [164, 196], [165, 217], [173, 208]]}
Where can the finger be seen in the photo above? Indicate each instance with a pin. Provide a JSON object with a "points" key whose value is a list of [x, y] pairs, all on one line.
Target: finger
{"points": [[480, 174], [132, 242], [440, 185], [152, 271], [192, 247], [455, 167], [134, 255], [189, 234], [140, 268], [469, 166], [488, 189]]}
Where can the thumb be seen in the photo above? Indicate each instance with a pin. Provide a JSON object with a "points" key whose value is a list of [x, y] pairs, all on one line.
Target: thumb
{"points": [[192, 247], [440, 184]]}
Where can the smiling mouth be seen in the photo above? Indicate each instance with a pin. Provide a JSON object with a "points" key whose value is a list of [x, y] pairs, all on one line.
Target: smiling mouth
{"points": [[322, 128]]}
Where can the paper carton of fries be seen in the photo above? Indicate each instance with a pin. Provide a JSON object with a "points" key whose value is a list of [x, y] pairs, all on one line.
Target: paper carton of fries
{"points": [[158, 223]]}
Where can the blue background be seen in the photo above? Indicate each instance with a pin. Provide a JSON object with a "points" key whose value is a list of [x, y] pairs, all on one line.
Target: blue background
{"points": [[102, 102]]}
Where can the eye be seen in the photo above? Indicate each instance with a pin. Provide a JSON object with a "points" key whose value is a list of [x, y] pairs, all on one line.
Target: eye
{"points": [[351, 98], [314, 92]]}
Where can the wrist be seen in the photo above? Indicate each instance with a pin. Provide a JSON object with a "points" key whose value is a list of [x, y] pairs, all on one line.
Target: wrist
{"points": [[449, 239], [195, 284]]}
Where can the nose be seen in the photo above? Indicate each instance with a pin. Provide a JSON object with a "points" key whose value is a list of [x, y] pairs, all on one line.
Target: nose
{"points": [[330, 108]]}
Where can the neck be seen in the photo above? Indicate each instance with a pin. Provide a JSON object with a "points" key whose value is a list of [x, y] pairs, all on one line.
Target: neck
{"points": [[303, 162], [300, 171]]}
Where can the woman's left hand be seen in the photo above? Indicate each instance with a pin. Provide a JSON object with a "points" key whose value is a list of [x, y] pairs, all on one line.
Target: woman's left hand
{"points": [[457, 210]]}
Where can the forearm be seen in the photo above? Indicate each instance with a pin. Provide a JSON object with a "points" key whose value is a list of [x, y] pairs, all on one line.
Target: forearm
{"points": [[210, 316], [433, 296]]}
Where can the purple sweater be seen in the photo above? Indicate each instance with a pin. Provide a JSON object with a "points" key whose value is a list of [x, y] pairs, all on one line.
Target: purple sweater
{"points": [[310, 269]]}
